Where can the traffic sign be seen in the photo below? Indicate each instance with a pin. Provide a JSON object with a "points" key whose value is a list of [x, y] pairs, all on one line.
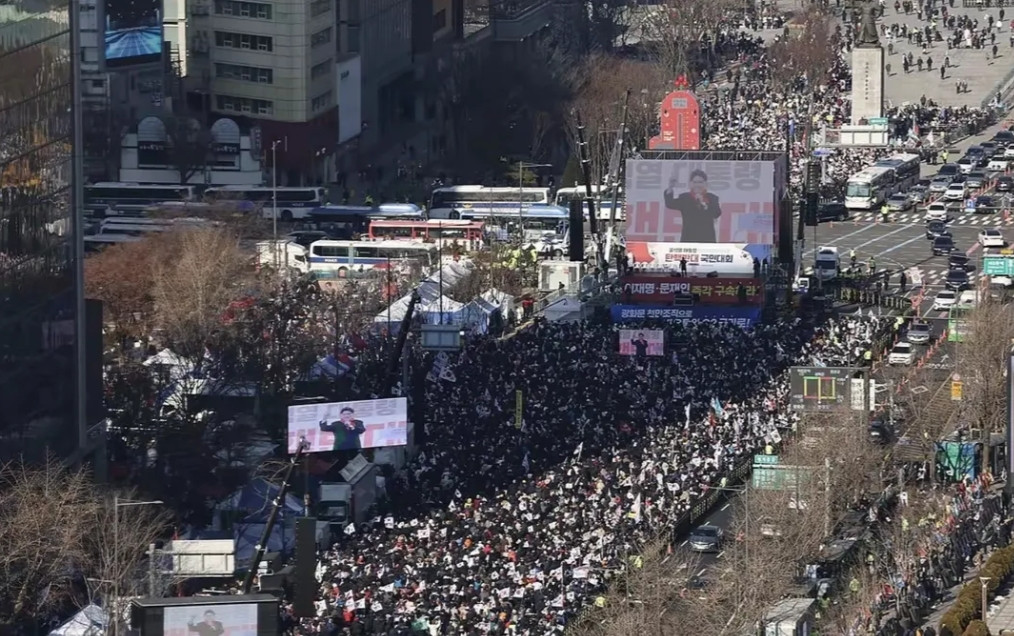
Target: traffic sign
{"points": [[998, 265], [957, 388], [765, 460], [878, 121]]}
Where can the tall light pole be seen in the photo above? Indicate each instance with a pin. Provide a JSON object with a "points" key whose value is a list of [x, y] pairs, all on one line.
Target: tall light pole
{"points": [[274, 199], [114, 614]]}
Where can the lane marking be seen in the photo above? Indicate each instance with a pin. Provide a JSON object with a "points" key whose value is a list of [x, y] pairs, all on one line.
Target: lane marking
{"points": [[845, 236], [726, 506], [703, 570], [720, 554], [685, 541]]}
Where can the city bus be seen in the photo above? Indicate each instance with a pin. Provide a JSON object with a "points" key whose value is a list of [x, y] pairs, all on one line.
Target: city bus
{"points": [[869, 188], [548, 222], [118, 197], [466, 233], [906, 168], [293, 203], [476, 202], [957, 323], [329, 259], [603, 196]]}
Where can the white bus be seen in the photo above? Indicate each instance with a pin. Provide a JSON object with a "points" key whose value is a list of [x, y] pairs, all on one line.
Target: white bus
{"points": [[477, 202], [293, 203], [97, 242], [340, 258], [603, 197], [906, 168], [869, 188], [119, 197]]}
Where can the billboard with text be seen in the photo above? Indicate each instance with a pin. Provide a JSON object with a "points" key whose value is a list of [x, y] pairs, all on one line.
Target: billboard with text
{"points": [[741, 316], [702, 201], [132, 32], [659, 290], [340, 426], [642, 342]]}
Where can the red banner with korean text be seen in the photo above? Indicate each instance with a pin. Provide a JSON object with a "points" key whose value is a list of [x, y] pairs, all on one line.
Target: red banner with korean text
{"points": [[648, 289]]}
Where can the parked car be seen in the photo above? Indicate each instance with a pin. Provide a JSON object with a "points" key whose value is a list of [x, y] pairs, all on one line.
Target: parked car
{"points": [[919, 193], [1004, 138], [936, 212], [956, 191], [832, 211], [935, 229], [949, 170], [966, 165], [902, 353], [944, 300], [899, 203], [991, 237], [707, 538], [975, 152], [968, 298], [990, 148], [958, 261], [984, 204], [919, 333], [957, 279], [881, 431], [1004, 183], [939, 184], [943, 245], [1001, 281], [975, 179]]}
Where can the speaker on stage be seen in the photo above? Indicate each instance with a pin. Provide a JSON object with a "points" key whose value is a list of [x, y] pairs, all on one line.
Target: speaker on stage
{"points": [[576, 233], [305, 583]]}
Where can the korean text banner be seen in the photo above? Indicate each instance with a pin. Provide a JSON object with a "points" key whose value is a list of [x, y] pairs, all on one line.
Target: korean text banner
{"points": [[699, 259], [349, 425], [688, 201], [238, 619], [742, 316], [709, 291], [642, 342]]}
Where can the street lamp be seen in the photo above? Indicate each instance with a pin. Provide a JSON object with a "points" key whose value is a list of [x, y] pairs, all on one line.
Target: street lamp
{"points": [[274, 199], [984, 580], [117, 504]]}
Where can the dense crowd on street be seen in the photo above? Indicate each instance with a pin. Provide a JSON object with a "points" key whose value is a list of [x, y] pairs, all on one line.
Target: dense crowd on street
{"points": [[500, 530]]}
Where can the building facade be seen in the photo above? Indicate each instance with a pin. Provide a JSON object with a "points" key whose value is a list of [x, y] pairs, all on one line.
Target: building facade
{"points": [[37, 288]]}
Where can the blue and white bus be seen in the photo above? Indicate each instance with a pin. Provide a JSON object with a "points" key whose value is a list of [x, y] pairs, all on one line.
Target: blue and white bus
{"points": [[293, 203], [536, 223], [133, 197], [603, 196], [479, 202], [339, 259]]}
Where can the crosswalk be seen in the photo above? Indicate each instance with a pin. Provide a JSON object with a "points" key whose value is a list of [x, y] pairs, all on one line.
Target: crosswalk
{"points": [[908, 218]]}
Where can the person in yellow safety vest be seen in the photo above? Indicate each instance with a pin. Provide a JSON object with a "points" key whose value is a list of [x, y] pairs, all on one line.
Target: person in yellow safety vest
{"points": [[867, 356], [883, 212], [600, 601], [724, 482], [898, 323], [854, 586], [943, 156], [769, 449]]}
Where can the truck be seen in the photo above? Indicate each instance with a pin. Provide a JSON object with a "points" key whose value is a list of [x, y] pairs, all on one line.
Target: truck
{"points": [[827, 263], [283, 255]]}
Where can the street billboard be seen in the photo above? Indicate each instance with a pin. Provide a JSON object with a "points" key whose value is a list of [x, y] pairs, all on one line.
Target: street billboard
{"points": [[742, 316], [338, 426], [825, 389], [642, 342], [660, 290], [227, 619], [132, 32], [692, 259], [702, 201]]}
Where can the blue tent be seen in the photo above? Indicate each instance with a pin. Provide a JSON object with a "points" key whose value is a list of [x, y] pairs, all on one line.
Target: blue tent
{"points": [[246, 511]]}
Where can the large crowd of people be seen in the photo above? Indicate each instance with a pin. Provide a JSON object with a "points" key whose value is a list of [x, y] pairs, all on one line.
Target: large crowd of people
{"points": [[497, 529]]}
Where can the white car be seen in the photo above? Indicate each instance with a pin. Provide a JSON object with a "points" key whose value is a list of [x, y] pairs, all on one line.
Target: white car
{"points": [[919, 333], [936, 212], [1001, 281], [956, 192], [902, 354], [968, 298], [991, 238], [944, 300]]}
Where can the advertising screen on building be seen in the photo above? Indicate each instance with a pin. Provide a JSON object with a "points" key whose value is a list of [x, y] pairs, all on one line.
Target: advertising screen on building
{"points": [[211, 620], [642, 342], [742, 316], [693, 259], [337, 426], [660, 290], [702, 201], [133, 32]]}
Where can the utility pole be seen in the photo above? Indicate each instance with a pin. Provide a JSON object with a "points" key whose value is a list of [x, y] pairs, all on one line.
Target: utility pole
{"points": [[274, 200], [615, 167], [827, 497]]}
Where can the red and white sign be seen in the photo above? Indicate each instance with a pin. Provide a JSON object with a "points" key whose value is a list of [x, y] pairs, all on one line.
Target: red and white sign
{"points": [[679, 123], [660, 290]]}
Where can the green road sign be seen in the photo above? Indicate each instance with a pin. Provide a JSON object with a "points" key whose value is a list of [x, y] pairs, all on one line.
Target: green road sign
{"points": [[778, 477], [765, 460], [998, 265], [878, 121]]}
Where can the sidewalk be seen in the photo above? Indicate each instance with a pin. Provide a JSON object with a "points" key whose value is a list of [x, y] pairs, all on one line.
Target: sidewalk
{"points": [[1001, 615]]}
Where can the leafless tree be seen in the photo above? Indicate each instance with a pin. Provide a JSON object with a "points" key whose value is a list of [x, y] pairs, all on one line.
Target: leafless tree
{"points": [[809, 51], [982, 362], [188, 145], [674, 31]]}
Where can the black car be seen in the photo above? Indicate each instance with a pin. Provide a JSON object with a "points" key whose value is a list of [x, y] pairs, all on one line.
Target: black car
{"points": [[706, 538], [935, 229], [881, 431], [832, 211], [948, 170], [984, 204], [990, 148], [958, 261], [1005, 183], [943, 245], [957, 279], [974, 152], [1004, 138]]}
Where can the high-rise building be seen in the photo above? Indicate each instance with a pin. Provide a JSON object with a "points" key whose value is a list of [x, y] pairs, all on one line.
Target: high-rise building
{"points": [[37, 283]]}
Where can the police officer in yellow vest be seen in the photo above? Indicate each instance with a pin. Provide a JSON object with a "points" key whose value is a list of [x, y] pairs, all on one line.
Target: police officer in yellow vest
{"points": [[883, 212], [867, 356], [943, 156]]}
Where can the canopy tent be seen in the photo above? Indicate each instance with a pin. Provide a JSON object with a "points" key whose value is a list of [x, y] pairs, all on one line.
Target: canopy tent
{"points": [[429, 290], [442, 311], [247, 510], [329, 367], [90, 621], [476, 315]]}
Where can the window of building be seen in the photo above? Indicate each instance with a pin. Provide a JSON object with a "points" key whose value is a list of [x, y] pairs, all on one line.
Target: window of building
{"points": [[245, 73], [439, 20], [243, 41], [245, 105], [319, 7], [321, 101], [322, 69], [320, 37], [243, 9], [352, 33]]}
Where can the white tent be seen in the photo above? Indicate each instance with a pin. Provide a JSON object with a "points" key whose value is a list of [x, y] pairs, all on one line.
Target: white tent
{"points": [[476, 314], [564, 309], [90, 621], [429, 291], [442, 310], [501, 300]]}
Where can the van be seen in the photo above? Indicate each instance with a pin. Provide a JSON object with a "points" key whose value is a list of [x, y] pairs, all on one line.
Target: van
{"points": [[827, 263]]}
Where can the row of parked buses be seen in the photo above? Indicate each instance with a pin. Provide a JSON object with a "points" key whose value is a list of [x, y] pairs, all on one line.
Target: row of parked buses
{"points": [[451, 202], [874, 185]]}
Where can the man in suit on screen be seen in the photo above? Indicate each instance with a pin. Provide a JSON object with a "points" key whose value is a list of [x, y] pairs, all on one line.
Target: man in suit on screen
{"points": [[207, 627], [698, 207], [346, 430]]}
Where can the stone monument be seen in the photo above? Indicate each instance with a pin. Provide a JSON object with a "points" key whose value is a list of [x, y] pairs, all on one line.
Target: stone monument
{"points": [[867, 68]]}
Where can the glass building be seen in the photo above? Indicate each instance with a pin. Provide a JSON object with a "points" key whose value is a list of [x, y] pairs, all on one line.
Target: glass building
{"points": [[37, 282]]}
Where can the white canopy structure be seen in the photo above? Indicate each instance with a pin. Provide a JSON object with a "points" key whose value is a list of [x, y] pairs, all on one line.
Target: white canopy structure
{"points": [[442, 310], [90, 621], [429, 290]]}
